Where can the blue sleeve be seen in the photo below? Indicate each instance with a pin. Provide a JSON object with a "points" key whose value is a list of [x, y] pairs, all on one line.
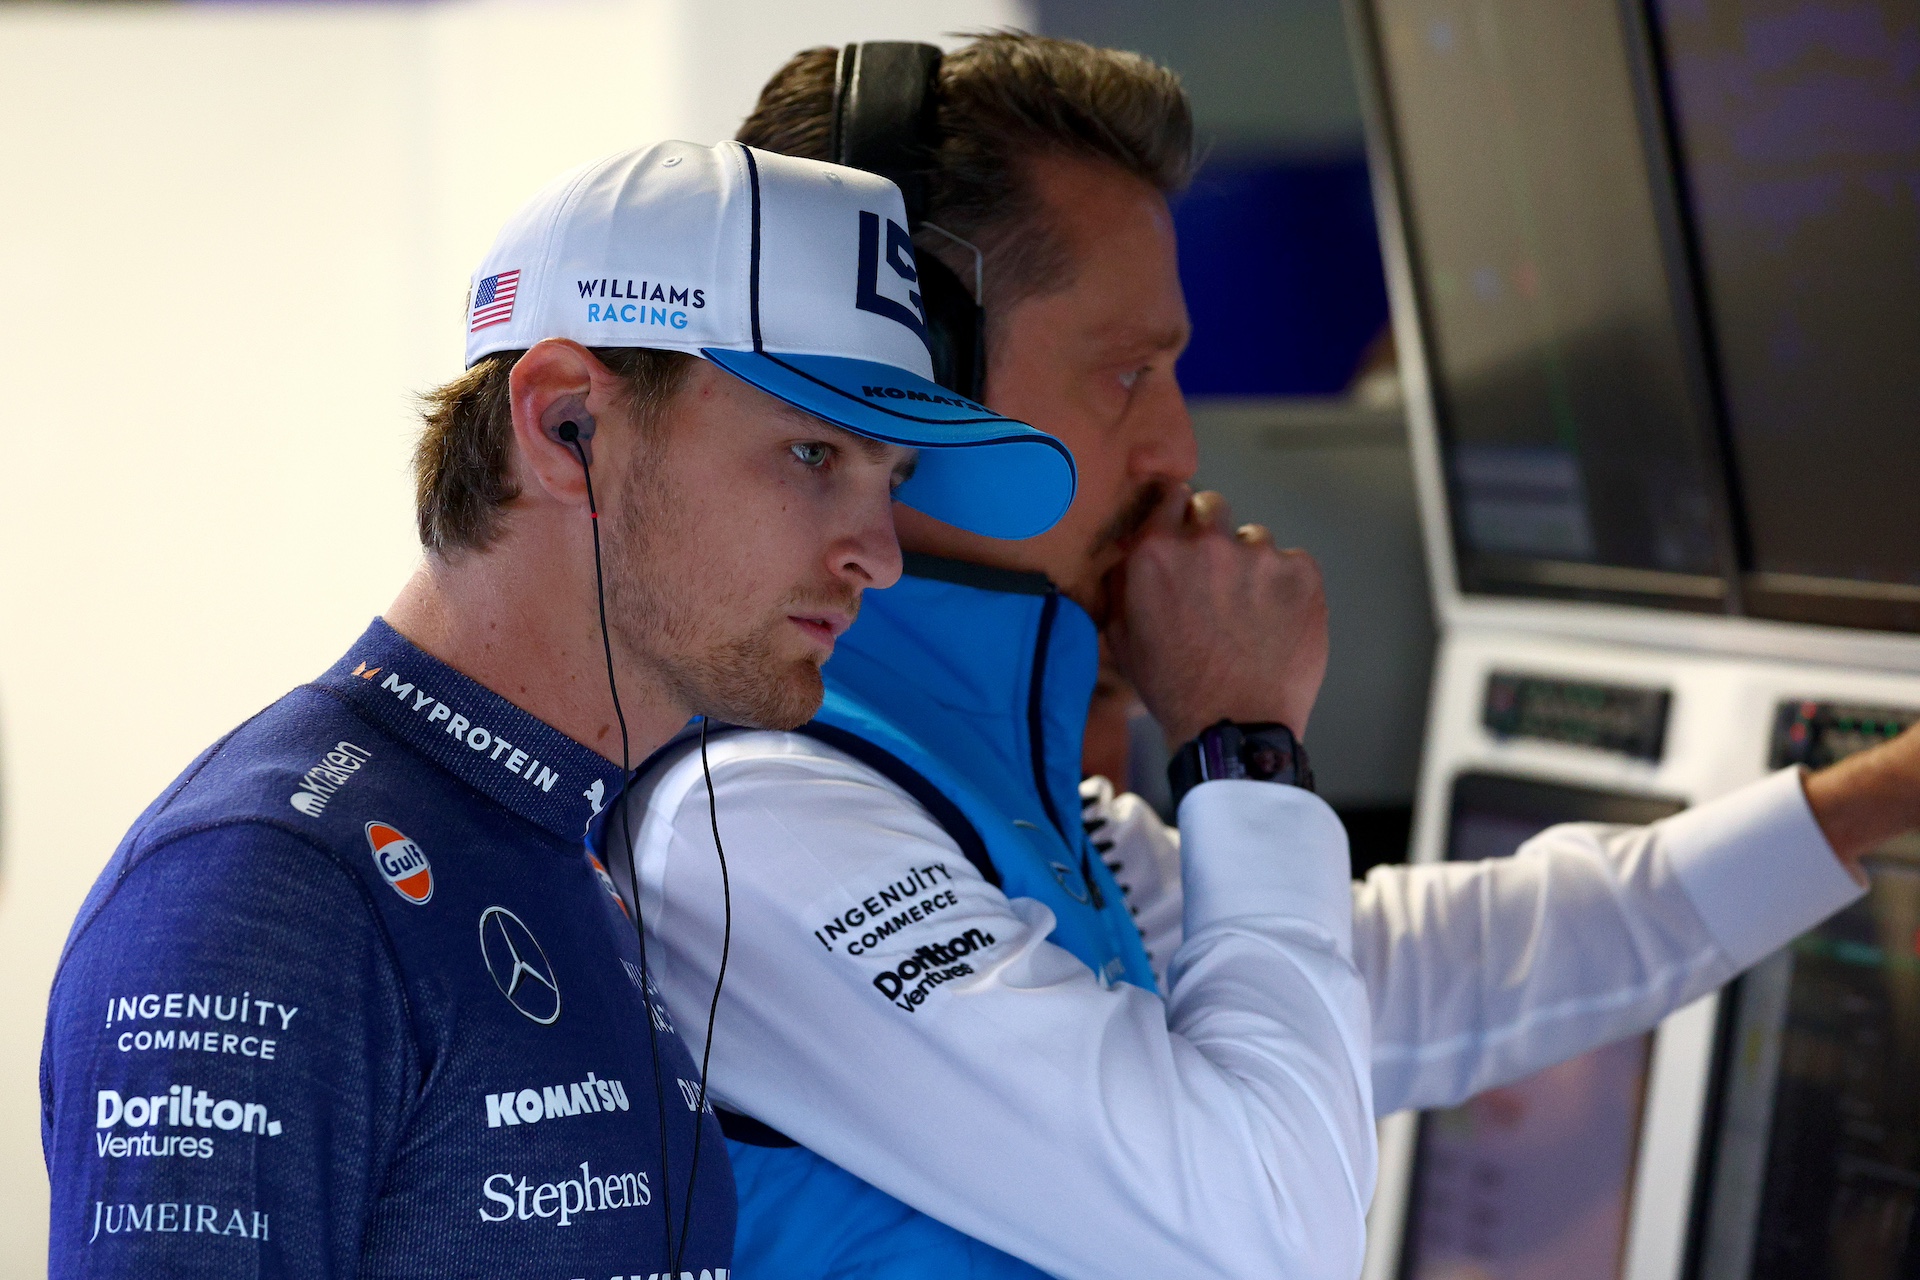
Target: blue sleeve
{"points": [[227, 1065]]}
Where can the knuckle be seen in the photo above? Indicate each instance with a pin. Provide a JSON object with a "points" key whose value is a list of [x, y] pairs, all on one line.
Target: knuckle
{"points": [[1302, 564], [1210, 508]]}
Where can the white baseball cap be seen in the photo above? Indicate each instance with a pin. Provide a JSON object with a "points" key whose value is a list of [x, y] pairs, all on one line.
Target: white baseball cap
{"points": [[795, 276]]}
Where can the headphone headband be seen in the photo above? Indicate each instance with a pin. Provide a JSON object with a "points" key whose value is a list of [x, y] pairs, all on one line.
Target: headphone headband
{"points": [[886, 98], [885, 114]]}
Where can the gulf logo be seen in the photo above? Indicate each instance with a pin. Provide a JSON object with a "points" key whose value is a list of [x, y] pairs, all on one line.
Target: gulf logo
{"points": [[402, 863], [606, 882]]}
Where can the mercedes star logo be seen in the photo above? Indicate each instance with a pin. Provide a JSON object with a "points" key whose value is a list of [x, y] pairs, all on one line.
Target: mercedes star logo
{"points": [[519, 967]]}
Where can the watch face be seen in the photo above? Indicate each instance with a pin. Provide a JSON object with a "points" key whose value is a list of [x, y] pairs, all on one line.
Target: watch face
{"points": [[1260, 752], [1267, 760]]}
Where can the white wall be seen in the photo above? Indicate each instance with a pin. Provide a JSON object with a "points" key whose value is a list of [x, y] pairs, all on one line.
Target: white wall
{"points": [[234, 242]]}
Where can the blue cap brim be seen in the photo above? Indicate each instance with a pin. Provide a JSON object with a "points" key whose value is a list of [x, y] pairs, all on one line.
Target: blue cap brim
{"points": [[977, 470]]}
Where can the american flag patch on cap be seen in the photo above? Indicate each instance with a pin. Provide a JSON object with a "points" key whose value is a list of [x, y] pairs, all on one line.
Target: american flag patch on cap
{"points": [[493, 300]]}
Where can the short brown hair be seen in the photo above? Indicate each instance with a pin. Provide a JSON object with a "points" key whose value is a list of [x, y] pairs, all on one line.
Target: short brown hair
{"points": [[1006, 100], [463, 463]]}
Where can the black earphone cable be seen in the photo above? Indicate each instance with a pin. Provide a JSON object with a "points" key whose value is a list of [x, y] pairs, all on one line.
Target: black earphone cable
{"points": [[570, 433], [653, 1033], [713, 1007]]}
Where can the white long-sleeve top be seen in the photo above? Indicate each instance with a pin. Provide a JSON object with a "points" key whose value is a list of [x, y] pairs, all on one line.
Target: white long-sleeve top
{"points": [[1480, 973], [1101, 1131]]}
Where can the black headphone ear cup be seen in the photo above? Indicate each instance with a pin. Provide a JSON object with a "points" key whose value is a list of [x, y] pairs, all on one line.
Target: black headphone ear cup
{"points": [[956, 328], [886, 97]]}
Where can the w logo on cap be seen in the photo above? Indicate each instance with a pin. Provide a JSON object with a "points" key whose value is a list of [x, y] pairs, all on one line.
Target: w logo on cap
{"points": [[493, 300], [867, 295]]}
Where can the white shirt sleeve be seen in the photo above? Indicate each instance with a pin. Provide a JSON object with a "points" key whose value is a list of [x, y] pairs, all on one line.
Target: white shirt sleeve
{"points": [[1480, 973], [893, 1012], [1144, 855]]}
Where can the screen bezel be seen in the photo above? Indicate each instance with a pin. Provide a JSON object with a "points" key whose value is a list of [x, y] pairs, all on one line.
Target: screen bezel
{"points": [[1553, 802], [1833, 602]]}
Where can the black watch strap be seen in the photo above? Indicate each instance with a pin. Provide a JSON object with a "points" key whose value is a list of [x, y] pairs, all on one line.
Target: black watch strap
{"points": [[1260, 752]]}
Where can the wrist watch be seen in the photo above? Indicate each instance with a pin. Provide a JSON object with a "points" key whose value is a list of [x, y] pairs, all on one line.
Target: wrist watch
{"points": [[1260, 752]]}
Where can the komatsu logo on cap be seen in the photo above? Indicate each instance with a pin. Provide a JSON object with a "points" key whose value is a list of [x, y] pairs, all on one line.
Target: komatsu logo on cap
{"points": [[884, 392], [402, 863]]}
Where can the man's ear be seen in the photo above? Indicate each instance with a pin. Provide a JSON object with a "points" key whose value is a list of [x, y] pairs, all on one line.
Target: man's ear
{"points": [[556, 383]]}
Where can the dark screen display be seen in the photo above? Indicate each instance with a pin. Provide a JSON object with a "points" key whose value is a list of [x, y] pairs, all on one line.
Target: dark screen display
{"points": [[1799, 130], [1575, 432], [1815, 1170], [1533, 1180]]}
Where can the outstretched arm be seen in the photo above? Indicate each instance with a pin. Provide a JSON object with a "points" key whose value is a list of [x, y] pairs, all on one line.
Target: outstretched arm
{"points": [[1869, 798], [1483, 972], [1480, 973]]}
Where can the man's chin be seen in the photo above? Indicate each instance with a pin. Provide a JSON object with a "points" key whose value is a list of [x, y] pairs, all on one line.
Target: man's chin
{"points": [[780, 699], [796, 705]]}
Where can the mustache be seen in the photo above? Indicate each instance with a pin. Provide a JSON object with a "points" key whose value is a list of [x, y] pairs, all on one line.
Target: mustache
{"points": [[837, 599], [1132, 517]]}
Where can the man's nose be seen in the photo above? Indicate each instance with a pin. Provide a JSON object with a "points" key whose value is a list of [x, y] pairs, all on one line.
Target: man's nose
{"points": [[869, 556], [1166, 447]]}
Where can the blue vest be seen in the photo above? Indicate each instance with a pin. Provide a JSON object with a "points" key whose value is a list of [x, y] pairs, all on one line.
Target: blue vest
{"points": [[969, 687]]}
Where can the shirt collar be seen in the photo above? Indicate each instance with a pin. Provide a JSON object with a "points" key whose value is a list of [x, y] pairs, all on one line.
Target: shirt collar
{"points": [[1016, 582], [509, 756], [965, 636]]}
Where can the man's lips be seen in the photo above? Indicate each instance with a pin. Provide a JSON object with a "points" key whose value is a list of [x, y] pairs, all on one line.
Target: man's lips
{"points": [[826, 626]]}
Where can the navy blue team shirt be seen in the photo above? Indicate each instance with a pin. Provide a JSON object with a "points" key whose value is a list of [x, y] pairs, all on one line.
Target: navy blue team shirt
{"points": [[354, 998]]}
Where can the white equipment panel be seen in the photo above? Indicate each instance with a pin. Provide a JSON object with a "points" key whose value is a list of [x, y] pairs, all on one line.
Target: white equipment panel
{"points": [[1719, 730]]}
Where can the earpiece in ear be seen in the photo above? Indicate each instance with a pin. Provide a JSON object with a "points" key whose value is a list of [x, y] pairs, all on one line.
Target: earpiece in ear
{"points": [[576, 427]]}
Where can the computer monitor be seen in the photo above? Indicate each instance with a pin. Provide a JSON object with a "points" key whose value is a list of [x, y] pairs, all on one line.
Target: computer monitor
{"points": [[1574, 411], [1798, 130], [1813, 1161], [1533, 1180], [1665, 256]]}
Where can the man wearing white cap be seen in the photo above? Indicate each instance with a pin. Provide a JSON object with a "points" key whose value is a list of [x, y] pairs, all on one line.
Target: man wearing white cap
{"points": [[355, 995]]}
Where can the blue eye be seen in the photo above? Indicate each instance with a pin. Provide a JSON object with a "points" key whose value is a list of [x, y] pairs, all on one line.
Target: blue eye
{"points": [[1130, 377], [812, 453]]}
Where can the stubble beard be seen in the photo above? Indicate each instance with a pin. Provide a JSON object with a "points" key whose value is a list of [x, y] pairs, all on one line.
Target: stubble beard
{"points": [[745, 681], [1114, 540], [662, 621]]}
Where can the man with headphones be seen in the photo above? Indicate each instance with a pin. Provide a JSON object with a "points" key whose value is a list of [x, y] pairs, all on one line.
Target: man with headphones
{"points": [[356, 995], [946, 1053]]}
